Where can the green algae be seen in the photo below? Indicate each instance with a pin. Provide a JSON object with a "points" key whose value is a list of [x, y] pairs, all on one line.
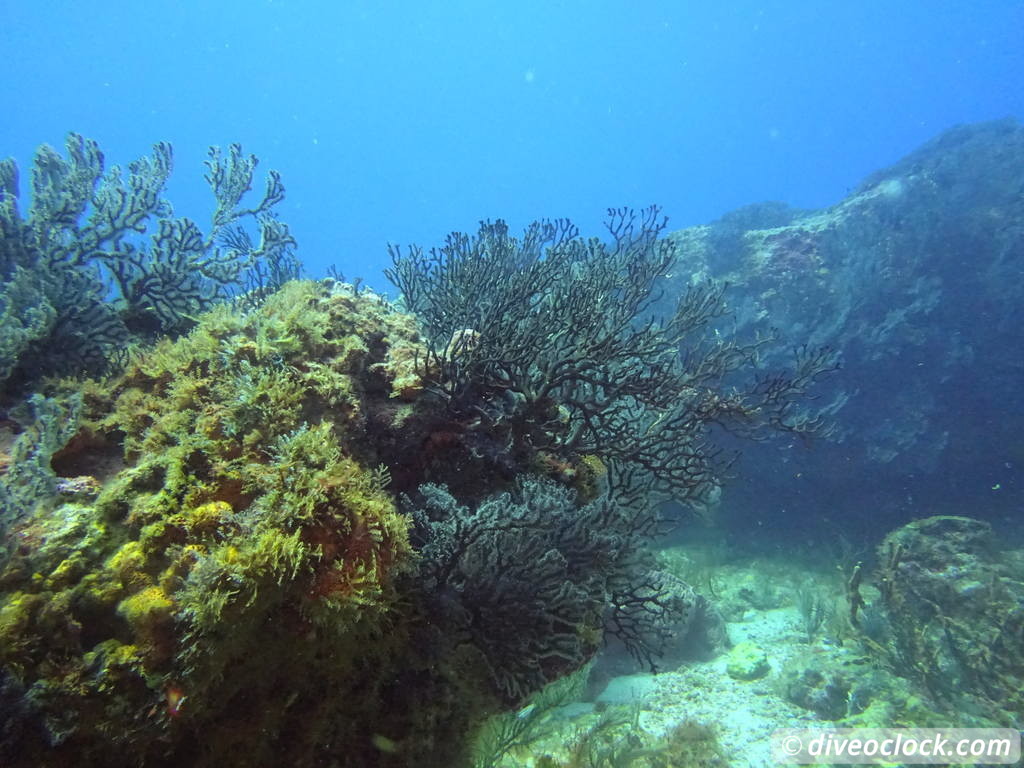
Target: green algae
{"points": [[242, 546]]}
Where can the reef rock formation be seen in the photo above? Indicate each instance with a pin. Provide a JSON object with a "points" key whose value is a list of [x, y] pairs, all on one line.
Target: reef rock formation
{"points": [[210, 573], [204, 562], [950, 617], [915, 279]]}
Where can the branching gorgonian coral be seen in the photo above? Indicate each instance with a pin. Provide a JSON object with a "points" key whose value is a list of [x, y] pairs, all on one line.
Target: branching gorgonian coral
{"points": [[83, 235], [549, 343], [531, 579]]}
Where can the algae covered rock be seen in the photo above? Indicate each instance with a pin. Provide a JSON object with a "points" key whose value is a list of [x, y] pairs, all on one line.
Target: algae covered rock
{"points": [[949, 616], [820, 685], [747, 661], [943, 560], [883, 276], [233, 564], [233, 569]]}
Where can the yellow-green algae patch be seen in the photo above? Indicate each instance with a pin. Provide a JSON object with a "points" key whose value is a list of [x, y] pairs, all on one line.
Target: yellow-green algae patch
{"points": [[230, 594]]}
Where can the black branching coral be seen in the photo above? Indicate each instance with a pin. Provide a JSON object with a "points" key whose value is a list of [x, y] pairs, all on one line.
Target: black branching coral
{"points": [[78, 277], [530, 580], [550, 342]]}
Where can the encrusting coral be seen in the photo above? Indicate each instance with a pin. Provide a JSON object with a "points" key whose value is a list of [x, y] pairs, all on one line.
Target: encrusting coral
{"points": [[241, 555]]}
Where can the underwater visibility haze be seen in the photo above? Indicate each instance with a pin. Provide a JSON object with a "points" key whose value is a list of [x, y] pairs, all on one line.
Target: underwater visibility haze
{"points": [[492, 385]]}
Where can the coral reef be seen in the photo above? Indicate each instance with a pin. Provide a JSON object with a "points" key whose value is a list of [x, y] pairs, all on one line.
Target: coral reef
{"points": [[553, 343], [205, 560], [914, 278], [818, 686], [529, 579], [611, 738], [84, 232], [230, 561], [209, 542], [747, 661], [27, 476], [948, 616]]}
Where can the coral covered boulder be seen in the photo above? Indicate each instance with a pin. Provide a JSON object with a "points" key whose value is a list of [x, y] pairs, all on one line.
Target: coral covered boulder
{"points": [[950, 616], [227, 565]]}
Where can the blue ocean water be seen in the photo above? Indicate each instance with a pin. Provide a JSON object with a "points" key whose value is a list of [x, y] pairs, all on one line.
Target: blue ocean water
{"points": [[400, 121], [237, 599]]}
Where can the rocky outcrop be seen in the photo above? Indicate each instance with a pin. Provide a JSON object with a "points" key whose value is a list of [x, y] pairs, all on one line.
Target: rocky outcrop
{"points": [[916, 279]]}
